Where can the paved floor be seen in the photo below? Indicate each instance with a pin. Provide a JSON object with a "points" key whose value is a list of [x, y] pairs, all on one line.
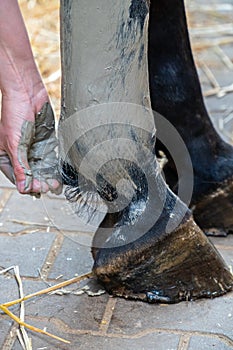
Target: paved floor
{"points": [[49, 244], [29, 239]]}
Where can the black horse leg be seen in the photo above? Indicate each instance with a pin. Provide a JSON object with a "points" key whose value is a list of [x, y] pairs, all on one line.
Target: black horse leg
{"points": [[176, 94]]}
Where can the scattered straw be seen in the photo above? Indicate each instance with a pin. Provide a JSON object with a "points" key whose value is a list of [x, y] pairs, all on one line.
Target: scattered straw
{"points": [[20, 320]]}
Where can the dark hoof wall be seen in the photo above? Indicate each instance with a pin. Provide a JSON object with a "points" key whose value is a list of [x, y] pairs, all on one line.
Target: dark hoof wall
{"points": [[214, 213], [182, 265]]}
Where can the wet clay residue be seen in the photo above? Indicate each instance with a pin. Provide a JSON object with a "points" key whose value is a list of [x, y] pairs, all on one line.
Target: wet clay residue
{"points": [[40, 141]]}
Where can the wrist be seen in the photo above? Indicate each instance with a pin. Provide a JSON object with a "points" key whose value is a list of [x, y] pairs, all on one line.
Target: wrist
{"points": [[21, 80], [16, 73]]}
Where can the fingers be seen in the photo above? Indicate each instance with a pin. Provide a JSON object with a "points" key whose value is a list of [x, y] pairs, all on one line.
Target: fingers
{"points": [[31, 162], [55, 186], [35, 163], [23, 173], [24, 181], [13, 160], [45, 172], [14, 155]]}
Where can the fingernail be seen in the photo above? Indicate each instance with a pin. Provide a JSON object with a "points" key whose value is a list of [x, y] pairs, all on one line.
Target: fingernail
{"points": [[44, 187], [39, 186], [54, 186], [21, 186]]}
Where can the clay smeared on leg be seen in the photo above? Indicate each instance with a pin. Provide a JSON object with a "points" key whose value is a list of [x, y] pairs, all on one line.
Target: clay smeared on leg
{"points": [[150, 249]]}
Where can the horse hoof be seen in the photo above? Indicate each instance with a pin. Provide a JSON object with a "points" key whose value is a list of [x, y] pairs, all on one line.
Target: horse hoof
{"points": [[214, 212], [168, 268]]}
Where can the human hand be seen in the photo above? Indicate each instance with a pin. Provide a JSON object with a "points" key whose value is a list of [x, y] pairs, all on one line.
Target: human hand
{"points": [[27, 137], [27, 146]]}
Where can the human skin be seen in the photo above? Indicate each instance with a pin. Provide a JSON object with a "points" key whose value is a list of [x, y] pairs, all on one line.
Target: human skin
{"points": [[23, 96]]}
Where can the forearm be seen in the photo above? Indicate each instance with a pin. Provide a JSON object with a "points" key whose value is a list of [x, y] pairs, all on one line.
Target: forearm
{"points": [[18, 70]]}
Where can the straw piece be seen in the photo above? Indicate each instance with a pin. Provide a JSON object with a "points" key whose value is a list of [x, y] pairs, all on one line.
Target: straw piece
{"points": [[225, 59], [25, 339], [209, 74], [220, 92]]}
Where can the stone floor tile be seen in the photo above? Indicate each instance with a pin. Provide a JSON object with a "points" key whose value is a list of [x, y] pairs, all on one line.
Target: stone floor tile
{"points": [[25, 209], [28, 251], [4, 182], [5, 326], [209, 343], [228, 257], [223, 241], [8, 289], [74, 312], [204, 315], [153, 341], [74, 257]]}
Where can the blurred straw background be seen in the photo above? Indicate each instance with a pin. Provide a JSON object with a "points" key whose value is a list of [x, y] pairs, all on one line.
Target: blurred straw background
{"points": [[211, 30]]}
